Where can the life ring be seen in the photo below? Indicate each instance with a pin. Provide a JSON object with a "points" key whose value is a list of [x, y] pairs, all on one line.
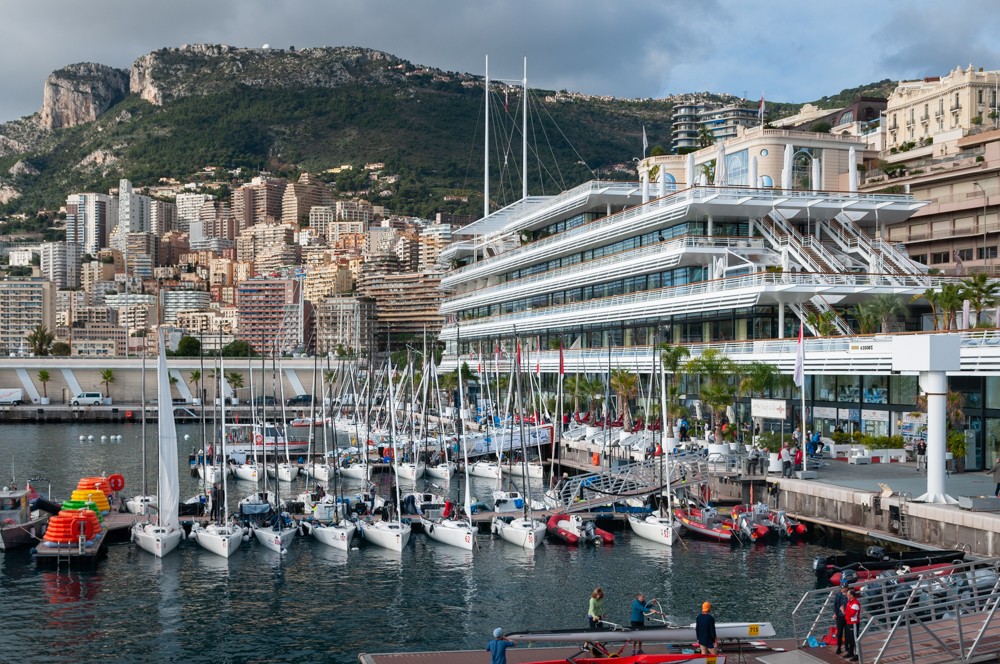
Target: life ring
{"points": [[116, 482], [259, 439], [84, 527]]}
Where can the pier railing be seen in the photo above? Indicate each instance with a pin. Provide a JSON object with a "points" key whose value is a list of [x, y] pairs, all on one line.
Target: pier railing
{"points": [[946, 614]]}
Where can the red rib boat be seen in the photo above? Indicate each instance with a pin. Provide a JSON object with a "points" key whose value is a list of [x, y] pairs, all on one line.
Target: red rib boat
{"points": [[572, 529]]}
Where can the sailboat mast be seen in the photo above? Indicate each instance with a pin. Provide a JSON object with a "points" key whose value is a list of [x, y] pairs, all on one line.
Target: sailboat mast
{"points": [[524, 132], [142, 397], [392, 430], [520, 412], [222, 444], [486, 144]]}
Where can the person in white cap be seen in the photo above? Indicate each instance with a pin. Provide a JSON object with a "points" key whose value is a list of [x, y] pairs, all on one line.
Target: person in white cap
{"points": [[497, 647]]}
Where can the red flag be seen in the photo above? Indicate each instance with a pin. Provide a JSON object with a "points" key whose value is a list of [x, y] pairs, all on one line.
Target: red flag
{"points": [[519, 353], [562, 360]]}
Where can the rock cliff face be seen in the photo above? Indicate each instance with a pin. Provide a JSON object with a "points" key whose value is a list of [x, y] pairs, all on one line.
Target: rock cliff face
{"points": [[207, 68], [80, 93]]}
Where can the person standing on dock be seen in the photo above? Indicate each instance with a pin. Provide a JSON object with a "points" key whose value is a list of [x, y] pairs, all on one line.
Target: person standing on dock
{"points": [[852, 616], [497, 647], [921, 456], [595, 612], [786, 461], [704, 628], [839, 604]]}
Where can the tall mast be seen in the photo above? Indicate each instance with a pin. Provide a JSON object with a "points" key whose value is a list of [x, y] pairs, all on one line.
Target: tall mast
{"points": [[524, 132], [142, 397], [486, 145], [222, 444]]}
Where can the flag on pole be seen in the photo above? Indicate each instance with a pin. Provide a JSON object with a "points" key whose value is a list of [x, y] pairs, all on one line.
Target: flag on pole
{"points": [[800, 361], [506, 106], [761, 110], [562, 360], [645, 143]]}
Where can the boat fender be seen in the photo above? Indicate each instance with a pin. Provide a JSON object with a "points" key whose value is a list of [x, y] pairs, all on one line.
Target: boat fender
{"points": [[430, 529], [9, 522]]}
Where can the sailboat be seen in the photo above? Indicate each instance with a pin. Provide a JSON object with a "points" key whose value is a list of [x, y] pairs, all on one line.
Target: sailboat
{"points": [[524, 531], [663, 529], [248, 469], [393, 534], [285, 471], [448, 529], [163, 537], [319, 470], [142, 503], [339, 532], [223, 537]]}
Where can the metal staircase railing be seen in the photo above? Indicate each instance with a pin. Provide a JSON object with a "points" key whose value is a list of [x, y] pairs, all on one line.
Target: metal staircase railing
{"points": [[810, 253], [875, 251], [947, 614], [818, 305]]}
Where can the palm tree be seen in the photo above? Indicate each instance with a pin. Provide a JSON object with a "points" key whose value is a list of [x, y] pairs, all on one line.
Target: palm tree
{"points": [[43, 378], [173, 383], [864, 314], [981, 292], [195, 378], [885, 307], [931, 297], [823, 322], [107, 377], [950, 299], [626, 387], [671, 358], [573, 387], [716, 387], [594, 390], [39, 340]]}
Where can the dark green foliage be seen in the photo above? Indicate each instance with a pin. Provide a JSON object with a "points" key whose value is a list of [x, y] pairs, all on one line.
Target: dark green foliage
{"points": [[188, 347], [238, 349]]}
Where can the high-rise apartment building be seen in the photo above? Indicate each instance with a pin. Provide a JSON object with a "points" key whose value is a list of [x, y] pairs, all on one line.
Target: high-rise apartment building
{"points": [[89, 218], [258, 202], [173, 301], [162, 217], [134, 215], [270, 314], [345, 323], [268, 246], [24, 305], [189, 208], [300, 197], [60, 263]]}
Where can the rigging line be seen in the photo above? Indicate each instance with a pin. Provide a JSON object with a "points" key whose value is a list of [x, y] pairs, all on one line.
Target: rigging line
{"points": [[473, 146], [560, 181], [571, 146], [510, 165], [498, 150]]}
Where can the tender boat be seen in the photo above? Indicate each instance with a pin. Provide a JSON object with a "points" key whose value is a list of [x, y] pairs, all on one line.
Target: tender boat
{"points": [[572, 529], [705, 522], [19, 524], [875, 558]]}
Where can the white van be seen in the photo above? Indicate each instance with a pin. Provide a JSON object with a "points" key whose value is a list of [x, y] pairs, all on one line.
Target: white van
{"points": [[87, 399]]}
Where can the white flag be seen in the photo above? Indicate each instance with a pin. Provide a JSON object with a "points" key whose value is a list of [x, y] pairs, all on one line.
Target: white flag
{"points": [[645, 143], [800, 361]]}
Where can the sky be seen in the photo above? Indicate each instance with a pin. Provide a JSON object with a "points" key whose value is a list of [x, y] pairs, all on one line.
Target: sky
{"points": [[786, 50]]}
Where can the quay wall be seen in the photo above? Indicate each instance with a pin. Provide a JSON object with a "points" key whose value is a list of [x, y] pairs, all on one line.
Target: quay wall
{"points": [[842, 508]]}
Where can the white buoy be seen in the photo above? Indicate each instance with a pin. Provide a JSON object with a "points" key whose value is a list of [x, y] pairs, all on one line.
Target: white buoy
{"points": [[187, 437], [90, 437], [103, 438], [83, 438]]}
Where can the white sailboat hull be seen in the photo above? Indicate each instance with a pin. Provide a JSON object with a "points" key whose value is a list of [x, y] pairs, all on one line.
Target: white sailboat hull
{"points": [[442, 471], [490, 469], [220, 540], [535, 470], [450, 532], [157, 540], [210, 474], [656, 529], [339, 537], [276, 539], [391, 535], [285, 472], [140, 504], [411, 471], [526, 533], [319, 471], [247, 471], [357, 471]]}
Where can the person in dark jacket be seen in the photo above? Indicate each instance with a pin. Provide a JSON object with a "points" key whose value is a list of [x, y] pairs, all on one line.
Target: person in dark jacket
{"points": [[704, 628], [839, 604]]}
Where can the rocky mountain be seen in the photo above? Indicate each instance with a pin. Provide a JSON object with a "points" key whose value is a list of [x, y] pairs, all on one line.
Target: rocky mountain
{"points": [[80, 93], [178, 110]]}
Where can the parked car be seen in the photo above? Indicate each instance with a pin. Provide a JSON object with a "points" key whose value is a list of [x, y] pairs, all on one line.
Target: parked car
{"points": [[263, 401], [87, 399], [299, 400]]}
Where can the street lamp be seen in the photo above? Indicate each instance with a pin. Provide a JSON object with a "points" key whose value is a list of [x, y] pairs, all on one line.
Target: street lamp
{"points": [[986, 256]]}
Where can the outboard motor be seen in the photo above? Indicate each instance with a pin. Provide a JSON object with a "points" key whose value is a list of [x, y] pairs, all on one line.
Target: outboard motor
{"points": [[876, 552], [588, 531], [848, 575]]}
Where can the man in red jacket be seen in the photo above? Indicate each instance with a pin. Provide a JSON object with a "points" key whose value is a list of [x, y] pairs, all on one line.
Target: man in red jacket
{"points": [[852, 616]]}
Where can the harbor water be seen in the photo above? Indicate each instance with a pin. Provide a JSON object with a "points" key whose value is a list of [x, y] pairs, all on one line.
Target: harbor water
{"points": [[320, 603]]}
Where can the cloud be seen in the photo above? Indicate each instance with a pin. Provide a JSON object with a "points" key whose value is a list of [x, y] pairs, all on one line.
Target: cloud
{"points": [[793, 51]]}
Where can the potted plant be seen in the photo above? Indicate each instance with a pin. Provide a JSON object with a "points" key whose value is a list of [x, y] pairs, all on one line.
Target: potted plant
{"points": [[107, 377], [196, 379], [770, 441], [44, 378], [235, 381]]}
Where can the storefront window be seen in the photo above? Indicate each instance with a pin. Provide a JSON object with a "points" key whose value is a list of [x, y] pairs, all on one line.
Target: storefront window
{"points": [[903, 390], [992, 450], [993, 391], [826, 388], [848, 389], [876, 389]]}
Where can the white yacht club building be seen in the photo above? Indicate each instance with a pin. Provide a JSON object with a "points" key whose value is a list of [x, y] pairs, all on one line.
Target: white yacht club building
{"points": [[695, 254]]}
